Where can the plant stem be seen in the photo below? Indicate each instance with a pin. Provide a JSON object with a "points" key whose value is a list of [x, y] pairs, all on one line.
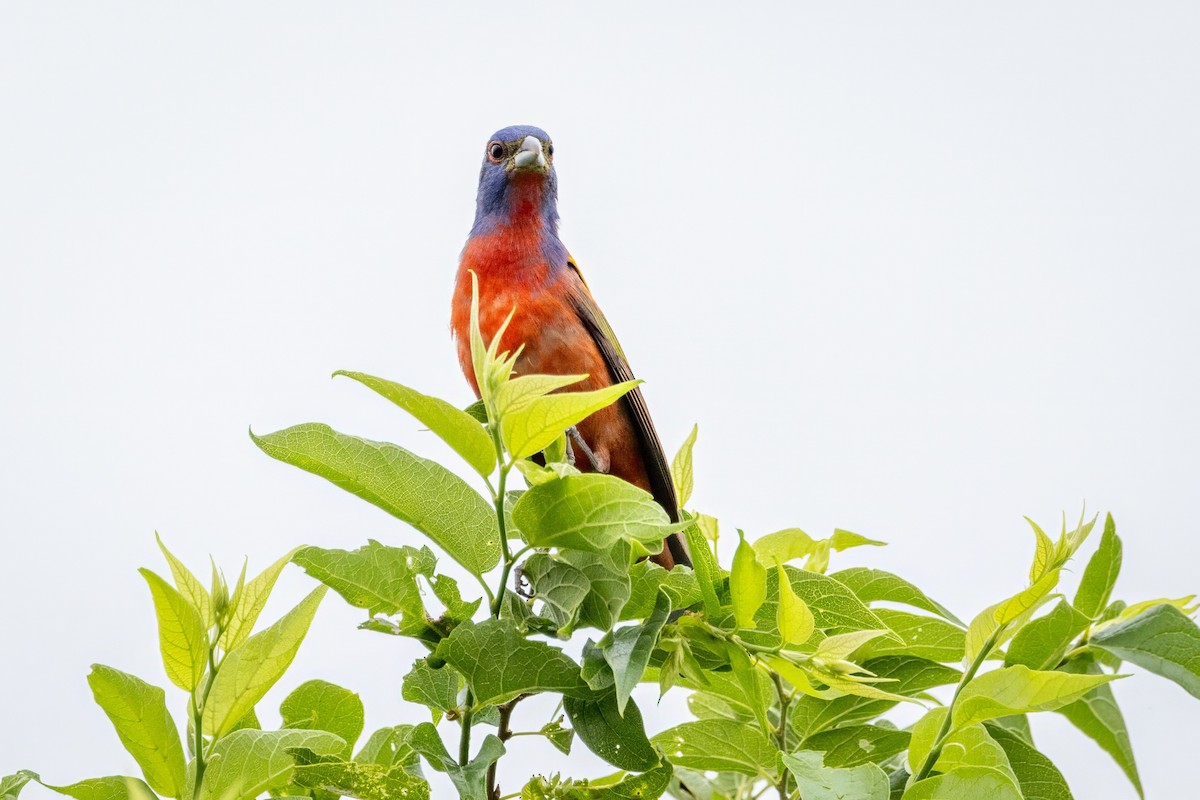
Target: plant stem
{"points": [[944, 731], [198, 713], [781, 731], [504, 732]]}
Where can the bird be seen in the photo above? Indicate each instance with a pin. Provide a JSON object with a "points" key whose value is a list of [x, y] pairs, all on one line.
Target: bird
{"points": [[520, 262]]}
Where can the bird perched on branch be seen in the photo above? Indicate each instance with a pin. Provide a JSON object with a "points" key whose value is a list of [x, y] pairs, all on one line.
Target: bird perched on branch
{"points": [[520, 262]]}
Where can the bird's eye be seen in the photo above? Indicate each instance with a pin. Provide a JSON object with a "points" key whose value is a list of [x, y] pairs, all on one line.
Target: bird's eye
{"points": [[550, 150], [495, 152]]}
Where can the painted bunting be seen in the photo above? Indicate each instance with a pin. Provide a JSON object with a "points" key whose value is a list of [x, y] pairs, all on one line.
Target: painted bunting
{"points": [[520, 262]]}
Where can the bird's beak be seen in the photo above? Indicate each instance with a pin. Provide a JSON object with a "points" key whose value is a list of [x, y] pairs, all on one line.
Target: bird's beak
{"points": [[529, 155]]}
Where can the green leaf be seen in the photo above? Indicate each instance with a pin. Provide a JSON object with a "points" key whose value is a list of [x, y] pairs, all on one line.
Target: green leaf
{"points": [[590, 512], [188, 585], [718, 744], [1042, 643], [247, 763], [138, 712], [681, 468], [1019, 690], [456, 428], [858, 744], [560, 586], [817, 781], [181, 634], [467, 778], [436, 689], [968, 782], [924, 637], [418, 491], [388, 747], [1039, 779], [708, 572], [629, 651], [112, 787], [793, 616], [910, 676], [1100, 575], [748, 585], [251, 670], [834, 607], [1099, 717], [844, 540], [1163, 640], [754, 694], [875, 585], [558, 736], [608, 576], [969, 746], [355, 778], [996, 623], [618, 739], [323, 706], [379, 578], [647, 579], [500, 664], [248, 602], [11, 785], [646, 786], [777, 549], [530, 419]]}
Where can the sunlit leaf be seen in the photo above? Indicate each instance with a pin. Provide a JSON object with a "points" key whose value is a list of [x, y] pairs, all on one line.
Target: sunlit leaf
{"points": [[718, 744], [247, 763], [1018, 690], [248, 602], [1096, 585], [817, 781], [181, 633], [748, 585], [681, 468], [322, 706], [467, 778]]}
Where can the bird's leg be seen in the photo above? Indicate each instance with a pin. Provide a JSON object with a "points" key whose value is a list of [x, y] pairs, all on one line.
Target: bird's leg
{"points": [[573, 435]]}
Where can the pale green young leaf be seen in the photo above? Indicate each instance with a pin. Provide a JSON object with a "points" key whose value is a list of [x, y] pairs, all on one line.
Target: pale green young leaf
{"points": [[253, 668], [817, 781], [112, 787], [247, 763], [375, 577], [1019, 690], [1043, 642], [249, 601], [618, 739], [500, 664], [852, 745], [998, 622], [1100, 575], [11, 785], [1099, 717], [844, 540], [793, 616], [707, 571], [138, 712], [630, 648], [681, 468], [709, 527], [536, 474], [188, 585], [776, 549], [875, 585], [530, 421], [182, 638], [924, 736], [322, 706], [834, 607], [436, 689], [467, 778], [590, 512], [1043, 558], [456, 428], [718, 744], [416, 490], [747, 584], [968, 782], [841, 646], [1119, 612], [1036, 774], [755, 693], [1162, 639]]}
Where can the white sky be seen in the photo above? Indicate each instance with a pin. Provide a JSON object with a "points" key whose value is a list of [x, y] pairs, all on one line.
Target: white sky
{"points": [[916, 271]]}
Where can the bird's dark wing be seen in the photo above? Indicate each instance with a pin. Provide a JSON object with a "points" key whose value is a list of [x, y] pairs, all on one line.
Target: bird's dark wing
{"points": [[662, 486]]}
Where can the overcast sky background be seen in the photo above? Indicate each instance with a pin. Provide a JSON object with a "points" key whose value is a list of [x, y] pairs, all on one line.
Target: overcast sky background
{"points": [[915, 269]]}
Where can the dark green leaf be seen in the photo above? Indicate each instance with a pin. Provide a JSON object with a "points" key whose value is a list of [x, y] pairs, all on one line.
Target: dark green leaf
{"points": [[421, 492], [628, 651], [618, 739], [1037, 775], [1100, 576], [1099, 717], [559, 736], [500, 664], [858, 744], [468, 778], [1162, 639]]}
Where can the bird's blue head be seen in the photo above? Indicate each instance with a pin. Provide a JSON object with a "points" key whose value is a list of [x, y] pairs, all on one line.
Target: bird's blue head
{"points": [[517, 180]]}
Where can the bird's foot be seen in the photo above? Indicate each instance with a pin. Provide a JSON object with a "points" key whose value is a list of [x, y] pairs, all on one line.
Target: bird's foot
{"points": [[576, 439]]}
